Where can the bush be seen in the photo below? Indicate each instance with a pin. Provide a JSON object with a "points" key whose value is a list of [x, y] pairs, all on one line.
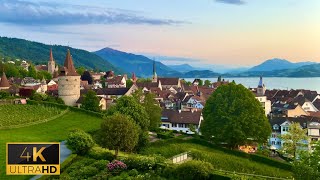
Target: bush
{"points": [[99, 153], [144, 163], [79, 142], [193, 170], [165, 135], [100, 165], [84, 172], [80, 163]]}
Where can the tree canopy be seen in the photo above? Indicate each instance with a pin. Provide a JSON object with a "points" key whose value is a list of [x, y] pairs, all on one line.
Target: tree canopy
{"points": [[232, 115], [128, 105], [91, 101], [293, 139], [86, 76], [207, 82], [119, 132]]}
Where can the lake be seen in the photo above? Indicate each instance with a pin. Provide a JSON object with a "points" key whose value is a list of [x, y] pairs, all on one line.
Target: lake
{"points": [[275, 82]]}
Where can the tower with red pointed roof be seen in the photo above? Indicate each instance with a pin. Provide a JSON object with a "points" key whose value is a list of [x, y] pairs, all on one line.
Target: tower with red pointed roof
{"points": [[69, 82], [51, 64], [4, 83]]}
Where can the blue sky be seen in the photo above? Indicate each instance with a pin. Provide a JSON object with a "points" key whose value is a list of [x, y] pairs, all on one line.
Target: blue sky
{"points": [[231, 32]]}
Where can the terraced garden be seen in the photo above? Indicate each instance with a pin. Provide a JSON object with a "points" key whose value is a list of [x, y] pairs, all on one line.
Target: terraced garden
{"points": [[51, 131], [220, 158], [23, 115]]}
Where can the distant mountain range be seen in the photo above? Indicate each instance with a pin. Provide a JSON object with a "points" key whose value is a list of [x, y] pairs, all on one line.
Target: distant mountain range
{"points": [[278, 64], [38, 53], [129, 62], [182, 68], [123, 62]]}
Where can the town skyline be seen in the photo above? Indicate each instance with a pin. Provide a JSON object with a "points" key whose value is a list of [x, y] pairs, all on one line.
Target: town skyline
{"points": [[202, 30]]}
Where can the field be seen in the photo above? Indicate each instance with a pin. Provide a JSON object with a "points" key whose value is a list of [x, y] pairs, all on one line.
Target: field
{"points": [[54, 130], [221, 159], [12, 115]]}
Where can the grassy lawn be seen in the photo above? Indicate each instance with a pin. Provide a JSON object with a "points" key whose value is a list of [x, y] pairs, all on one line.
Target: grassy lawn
{"points": [[220, 159], [55, 130]]}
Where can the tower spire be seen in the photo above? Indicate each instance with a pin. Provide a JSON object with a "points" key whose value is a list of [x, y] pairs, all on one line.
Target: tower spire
{"points": [[51, 55], [4, 83], [154, 77], [68, 63]]}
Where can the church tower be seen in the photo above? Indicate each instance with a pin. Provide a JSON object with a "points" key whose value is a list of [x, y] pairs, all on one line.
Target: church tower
{"points": [[261, 90], [69, 82], [51, 64], [154, 76]]}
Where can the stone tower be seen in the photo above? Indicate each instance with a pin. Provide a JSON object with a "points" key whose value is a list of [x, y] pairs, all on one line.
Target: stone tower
{"points": [[154, 76], [51, 64], [69, 82], [4, 83], [261, 90]]}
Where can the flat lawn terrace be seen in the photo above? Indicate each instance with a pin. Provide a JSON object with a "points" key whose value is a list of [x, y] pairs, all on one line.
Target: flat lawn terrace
{"points": [[45, 128], [222, 159]]}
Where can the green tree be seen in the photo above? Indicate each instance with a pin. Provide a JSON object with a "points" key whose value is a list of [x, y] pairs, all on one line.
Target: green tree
{"points": [[86, 76], [79, 141], [32, 71], [4, 95], [293, 140], [129, 83], [153, 110], [233, 115], [200, 82], [80, 70], [91, 101], [119, 132], [44, 74], [127, 105], [207, 82], [308, 166]]}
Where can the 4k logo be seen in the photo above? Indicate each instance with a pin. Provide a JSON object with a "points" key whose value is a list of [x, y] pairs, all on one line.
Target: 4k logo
{"points": [[33, 158]]}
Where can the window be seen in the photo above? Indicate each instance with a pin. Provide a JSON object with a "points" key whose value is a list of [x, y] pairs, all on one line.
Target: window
{"points": [[274, 135], [285, 128], [180, 125], [273, 143], [174, 125], [275, 127], [278, 143]]}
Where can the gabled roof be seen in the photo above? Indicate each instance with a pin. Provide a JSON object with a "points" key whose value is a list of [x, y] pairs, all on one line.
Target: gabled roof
{"points": [[112, 91], [186, 117], [115, 80], [300, 100], [4, 81], [147, 85], [169, 81]]}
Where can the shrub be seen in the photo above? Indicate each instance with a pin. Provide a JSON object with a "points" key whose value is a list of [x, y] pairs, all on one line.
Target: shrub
{"points": [[144, 163], [193, 170], [82, 162], [100, 153], [79, 142], [100, 165], [84, 172], [116, 166], [165, 135]]}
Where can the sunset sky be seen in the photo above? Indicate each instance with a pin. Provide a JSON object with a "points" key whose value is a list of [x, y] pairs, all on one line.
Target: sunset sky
{"points": [[230, 32]]}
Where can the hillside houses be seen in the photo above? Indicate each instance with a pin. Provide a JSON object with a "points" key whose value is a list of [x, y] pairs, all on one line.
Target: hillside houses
{"points": [[280, 126]]}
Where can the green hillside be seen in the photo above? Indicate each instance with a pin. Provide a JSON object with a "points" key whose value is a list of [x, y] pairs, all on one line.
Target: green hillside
{"points": [[51, 131], [39, 53]]}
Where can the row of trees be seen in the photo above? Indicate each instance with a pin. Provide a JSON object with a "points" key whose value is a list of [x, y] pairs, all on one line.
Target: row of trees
{"points": [[15, 70], [127, 123]]}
